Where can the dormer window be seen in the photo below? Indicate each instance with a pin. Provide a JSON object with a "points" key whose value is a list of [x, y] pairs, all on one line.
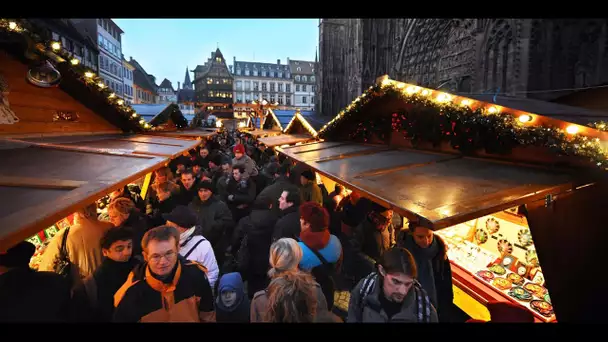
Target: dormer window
{"points": [[218, 59], [299, 69]]}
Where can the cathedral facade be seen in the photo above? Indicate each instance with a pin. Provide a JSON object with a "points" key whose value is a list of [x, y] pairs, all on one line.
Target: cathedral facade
{"points": [[536, 58]]}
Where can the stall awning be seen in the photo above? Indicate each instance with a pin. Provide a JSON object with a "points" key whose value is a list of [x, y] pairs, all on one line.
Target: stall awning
{"points": [[44, 180], [263, 132], [439, 189], [189, 134], [284, 139]]}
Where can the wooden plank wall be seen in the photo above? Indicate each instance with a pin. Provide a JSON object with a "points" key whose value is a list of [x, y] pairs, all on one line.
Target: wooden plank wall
{"points": [[35, 106]]}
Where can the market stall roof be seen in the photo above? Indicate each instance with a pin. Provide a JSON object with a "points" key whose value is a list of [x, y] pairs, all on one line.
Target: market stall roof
{"points": [[157, 114], [284, 139], [193, 133], [272, 121], [258, 133], [439, 189], [309, 121], [577, 115], [43, 180], [284, 116]]}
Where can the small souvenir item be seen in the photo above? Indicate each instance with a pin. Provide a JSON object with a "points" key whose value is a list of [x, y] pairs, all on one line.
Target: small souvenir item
{"points": [[505, 247], [520, 293], [542, 307], [502, 283], [515, 278], [547, 298], [524, 237], [497, 269], [508, 261], [7, 116], [481, 236], [492, 226], [536, 289], [485, 275]]}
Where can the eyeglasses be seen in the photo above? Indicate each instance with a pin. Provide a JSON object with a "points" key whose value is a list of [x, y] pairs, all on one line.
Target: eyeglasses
{"points": [[155, 258]]}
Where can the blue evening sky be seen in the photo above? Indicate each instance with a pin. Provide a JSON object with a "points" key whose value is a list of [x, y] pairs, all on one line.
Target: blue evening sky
{"points": [[164, 47]]}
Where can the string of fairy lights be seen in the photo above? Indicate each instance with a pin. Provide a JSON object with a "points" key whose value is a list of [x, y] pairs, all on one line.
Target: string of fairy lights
{"points": [[302, 121], [434, 115], [86, 75]]}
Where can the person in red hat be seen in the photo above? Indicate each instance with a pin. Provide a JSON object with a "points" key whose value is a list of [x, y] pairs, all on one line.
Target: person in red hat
{"points": [[505, 312], [251, 169]]}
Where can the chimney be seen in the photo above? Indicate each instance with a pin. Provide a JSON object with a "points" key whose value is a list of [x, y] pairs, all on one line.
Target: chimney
{"points": [[178, 85], [278, 61], [287, 60]]}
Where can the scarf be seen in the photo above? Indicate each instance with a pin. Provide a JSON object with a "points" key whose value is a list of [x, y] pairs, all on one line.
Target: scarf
{"points": [[424, 262], [185, 236], [315, 240]]}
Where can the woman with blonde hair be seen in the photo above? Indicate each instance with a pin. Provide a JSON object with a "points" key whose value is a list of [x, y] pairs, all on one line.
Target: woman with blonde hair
{"points": [[293, 295]]}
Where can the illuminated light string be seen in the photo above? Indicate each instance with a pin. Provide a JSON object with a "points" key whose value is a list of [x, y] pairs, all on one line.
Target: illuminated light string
{"points": [[87, 75], [509, 128], [304, 123]]}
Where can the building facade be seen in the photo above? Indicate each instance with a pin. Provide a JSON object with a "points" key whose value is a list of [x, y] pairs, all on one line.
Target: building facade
{"points": [[536, 58], [305, 84], [127, 80], [185, 97], [166, 93], [144, 85], [213, 83], [255, 80], [72, 41]]}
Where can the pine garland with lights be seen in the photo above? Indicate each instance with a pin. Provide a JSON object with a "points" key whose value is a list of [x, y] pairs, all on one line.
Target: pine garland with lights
{"points": [[600, 126], [86, 75], [422, 119]]}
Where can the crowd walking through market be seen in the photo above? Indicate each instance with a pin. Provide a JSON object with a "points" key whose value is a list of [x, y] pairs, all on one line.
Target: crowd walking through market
{"points": [[233, 232]]}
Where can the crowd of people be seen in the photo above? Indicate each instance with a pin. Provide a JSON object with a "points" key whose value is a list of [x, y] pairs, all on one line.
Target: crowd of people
{"points": [[232, 232]]}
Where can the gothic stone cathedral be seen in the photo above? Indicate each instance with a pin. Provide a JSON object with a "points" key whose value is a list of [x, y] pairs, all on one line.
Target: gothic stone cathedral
{"points": [[513, 57]]}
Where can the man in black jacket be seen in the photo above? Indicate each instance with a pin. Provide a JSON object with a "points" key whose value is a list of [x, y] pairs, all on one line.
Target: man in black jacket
{"points": [[288, 225], [281, 183], [187, 188], [27, 295], [434, 271], [94, 299], [214, 216], [240, 193]]}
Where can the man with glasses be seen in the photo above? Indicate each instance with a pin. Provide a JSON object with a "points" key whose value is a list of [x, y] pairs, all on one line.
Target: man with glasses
{"points": [[167, 288], [94, 300]]}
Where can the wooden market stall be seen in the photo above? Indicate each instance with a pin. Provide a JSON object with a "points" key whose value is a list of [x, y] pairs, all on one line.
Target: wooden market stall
{"points": [[487, 179], [66, 140], [301, 128]]}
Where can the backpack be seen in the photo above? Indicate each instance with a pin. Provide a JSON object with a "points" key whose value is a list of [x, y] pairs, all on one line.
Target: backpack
{"points": [[423, 302], [324, 274], [62, 263]]}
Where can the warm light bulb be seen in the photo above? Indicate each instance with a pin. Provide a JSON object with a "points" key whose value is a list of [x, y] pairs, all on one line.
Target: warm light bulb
{"points": [[55, 46], [142, 121], [492, 110], [601, 126], [401, 85], [74, 61], [385, 82], [443, 97], [466, 102], [12, 25], [101, 85], [134, 115], [410, 89], [572, 129], [147, 125], [426, 92], [111, 96], [88, 74], [525, 118], [120, 102]]}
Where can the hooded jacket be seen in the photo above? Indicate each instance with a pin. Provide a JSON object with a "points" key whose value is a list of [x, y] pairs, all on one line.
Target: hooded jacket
{"points": [[251, 169], [239, 311], [288, 225], [311, 193], [370, 240], [442, 272], [214, 218], [187, 298]]}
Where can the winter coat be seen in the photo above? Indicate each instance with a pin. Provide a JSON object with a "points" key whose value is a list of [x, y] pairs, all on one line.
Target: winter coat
{"points": [[222, 185], [93, 301], [139, 225], [369, 308], [199, 249], [239, 312], [30, 296], [257, 228], [239, 197], [185, 196], [442, 274], [251, 169], [288, 225], [160, 208], [370, 241], [83, 246], [311, 193], [214, 218]]}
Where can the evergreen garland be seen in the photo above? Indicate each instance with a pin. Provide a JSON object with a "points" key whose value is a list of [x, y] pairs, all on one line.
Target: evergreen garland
{"points": [[421, 119]]}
